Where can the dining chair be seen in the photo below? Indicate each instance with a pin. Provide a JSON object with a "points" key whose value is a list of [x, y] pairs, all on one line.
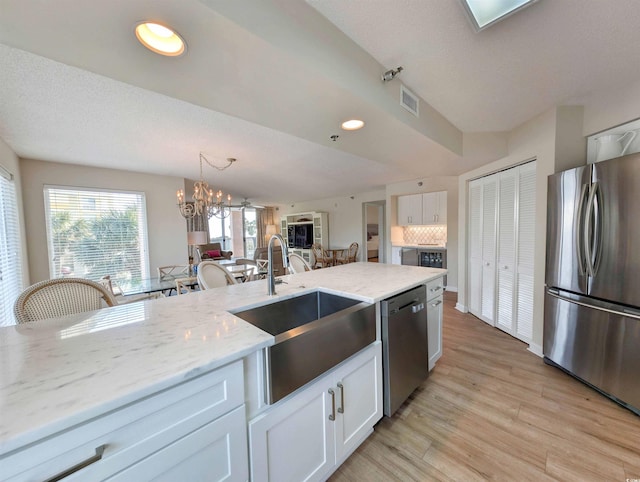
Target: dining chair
{"points": [[119, 295], [212, 275], [173, 270], [321, 257], [297, 264], [60, 297], [351, 254]]}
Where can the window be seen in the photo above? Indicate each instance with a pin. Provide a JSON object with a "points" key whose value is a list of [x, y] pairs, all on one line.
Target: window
{"points": [[10, 255], [93, 233]]}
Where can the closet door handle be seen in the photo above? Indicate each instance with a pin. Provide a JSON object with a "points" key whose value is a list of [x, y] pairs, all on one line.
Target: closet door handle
{"points": [[332, 417], [341, 407]]}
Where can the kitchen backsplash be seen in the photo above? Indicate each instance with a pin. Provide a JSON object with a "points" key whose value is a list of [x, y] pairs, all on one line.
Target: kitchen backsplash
{"points": [[425, 234]]}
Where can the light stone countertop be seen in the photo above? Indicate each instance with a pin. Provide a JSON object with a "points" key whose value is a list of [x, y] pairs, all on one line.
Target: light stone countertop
{"points": [[424, 247], [57, 373]]}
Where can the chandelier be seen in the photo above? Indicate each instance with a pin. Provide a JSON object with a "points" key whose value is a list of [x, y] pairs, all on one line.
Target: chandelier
{"points": [[205, 200]]}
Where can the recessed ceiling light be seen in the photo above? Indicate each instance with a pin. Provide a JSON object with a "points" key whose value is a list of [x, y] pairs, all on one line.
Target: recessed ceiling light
{"points": [[484, 13], [160, 39], [353, 125]]}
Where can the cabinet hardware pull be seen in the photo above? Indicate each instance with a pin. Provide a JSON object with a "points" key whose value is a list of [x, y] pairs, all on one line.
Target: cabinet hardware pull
{"points": [[436, 303], [437, 288], [341, 407], [332, 417], [81, 465]]}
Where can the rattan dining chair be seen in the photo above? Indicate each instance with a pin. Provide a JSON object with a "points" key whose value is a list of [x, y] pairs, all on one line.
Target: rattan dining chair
{"points": [[60, 297], [351, 254], [212, 275], [321, 257], [297, 264]]}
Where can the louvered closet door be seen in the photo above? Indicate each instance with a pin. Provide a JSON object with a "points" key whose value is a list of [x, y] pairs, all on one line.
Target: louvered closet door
{"points": [[489, 198], [475, 246], [525, 249], [505, 268]]}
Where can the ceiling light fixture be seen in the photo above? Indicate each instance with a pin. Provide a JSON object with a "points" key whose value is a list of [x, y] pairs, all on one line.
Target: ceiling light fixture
{"points": [[483, 13], [203, 202], [352, 125], [391, 74], [160, 39]]}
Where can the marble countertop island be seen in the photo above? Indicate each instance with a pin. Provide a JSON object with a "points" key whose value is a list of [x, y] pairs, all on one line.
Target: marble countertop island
{"points": [[57, 373]]}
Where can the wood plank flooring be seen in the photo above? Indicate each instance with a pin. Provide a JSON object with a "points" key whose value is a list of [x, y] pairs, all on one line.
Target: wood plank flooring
{"points": [[491, 410]]}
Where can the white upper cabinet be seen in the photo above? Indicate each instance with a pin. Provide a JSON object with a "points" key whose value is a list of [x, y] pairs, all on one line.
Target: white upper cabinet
{"points": [[410, 210], [434, 208], [422, 209]]}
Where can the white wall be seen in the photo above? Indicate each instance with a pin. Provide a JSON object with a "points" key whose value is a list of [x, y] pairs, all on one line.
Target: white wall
{"points": [[167, 230], [345, 216], [430, 184], [10, 162]]}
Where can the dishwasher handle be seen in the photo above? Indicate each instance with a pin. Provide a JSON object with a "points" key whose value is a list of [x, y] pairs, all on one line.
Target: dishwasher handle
{"points": [[417, 308]]}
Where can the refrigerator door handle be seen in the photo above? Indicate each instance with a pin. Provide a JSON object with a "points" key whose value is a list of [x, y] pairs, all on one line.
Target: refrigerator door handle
{"points": [[555, 294], [589, 230], [580, 232]]}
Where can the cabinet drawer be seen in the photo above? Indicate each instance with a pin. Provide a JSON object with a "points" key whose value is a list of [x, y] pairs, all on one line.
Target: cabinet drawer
{"points": [[132, 432], [435, 288]]}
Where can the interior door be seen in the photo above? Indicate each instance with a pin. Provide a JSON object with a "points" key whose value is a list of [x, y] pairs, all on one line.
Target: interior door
{"points": [[475, 246], [506, 249], [489, 208], [615, 229]]}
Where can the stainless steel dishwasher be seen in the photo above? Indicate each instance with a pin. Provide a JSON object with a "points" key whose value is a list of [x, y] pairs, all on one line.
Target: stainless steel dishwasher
{"points": [[405, 350]]}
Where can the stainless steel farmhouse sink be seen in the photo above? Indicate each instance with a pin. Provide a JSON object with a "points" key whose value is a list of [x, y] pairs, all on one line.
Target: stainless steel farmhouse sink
{"points": [[313, 333]]}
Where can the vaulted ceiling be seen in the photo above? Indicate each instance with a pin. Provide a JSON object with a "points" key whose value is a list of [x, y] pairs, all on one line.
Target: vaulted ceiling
{"points": [[270, 81]]}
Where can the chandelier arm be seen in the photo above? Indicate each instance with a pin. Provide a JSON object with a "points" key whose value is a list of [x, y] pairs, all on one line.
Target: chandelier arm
{"points": [[230, 160]]}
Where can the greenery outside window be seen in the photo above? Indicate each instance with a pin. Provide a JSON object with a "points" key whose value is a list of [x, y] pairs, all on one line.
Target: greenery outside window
{"points": [[92, 233], [10, 249]]}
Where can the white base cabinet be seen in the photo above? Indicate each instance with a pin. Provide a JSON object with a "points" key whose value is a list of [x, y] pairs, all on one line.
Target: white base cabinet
{"points": [[195, 430], [308, 435], [435, 306]]}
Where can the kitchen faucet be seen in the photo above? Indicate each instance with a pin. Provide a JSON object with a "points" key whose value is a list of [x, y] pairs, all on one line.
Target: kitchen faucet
{"points": [[271, 280]]}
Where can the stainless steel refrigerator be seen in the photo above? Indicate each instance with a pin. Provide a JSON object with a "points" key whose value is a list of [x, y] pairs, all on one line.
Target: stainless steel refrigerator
{"points": [[592, 299]]}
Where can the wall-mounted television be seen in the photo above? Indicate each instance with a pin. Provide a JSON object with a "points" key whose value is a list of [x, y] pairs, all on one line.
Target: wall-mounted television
{"points": [[300, 235]]}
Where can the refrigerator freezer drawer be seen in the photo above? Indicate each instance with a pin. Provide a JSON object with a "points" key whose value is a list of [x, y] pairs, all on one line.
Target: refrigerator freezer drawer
{"points": [[598, 346]]}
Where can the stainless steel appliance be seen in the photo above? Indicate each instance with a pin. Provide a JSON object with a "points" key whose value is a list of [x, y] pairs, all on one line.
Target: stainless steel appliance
{"points": [[592, 299], [405, 355], [409, 256]]}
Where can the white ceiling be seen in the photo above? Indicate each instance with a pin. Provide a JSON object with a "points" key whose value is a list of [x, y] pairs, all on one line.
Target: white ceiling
{"points": [[269, 81]]}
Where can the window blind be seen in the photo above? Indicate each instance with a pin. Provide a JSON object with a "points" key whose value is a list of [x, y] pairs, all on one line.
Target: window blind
{"points": [[10, 250], [92, 233]]}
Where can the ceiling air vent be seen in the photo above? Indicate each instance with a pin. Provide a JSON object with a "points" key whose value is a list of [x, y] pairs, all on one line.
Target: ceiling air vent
{"points": [[409, 101]]}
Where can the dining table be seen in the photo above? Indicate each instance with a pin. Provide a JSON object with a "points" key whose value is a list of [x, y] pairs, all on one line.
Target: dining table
{"points": [[336, 254], [164, 284]]}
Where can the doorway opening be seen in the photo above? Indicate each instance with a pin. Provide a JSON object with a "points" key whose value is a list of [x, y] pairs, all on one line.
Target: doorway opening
{"points": [[373, 236]]}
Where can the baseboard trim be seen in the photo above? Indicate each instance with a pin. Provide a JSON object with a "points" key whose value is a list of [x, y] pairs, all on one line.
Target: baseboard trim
{"points": [[452, 288], [535, 349], [462, 308]]}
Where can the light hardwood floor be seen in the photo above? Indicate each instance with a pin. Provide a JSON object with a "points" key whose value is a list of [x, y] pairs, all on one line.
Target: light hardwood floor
{"points": [[491, 410]]}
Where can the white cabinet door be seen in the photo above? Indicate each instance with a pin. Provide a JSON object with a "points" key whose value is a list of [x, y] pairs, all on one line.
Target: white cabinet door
{"points": [[306, 436], [442, 207], [526, 251], [434, 208], [410, 210], [489, 198], [475, 246], [358, 400], [430, 208], [294, 440], [506, 249], [434, 330], [215, 452], [396, 255]]}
